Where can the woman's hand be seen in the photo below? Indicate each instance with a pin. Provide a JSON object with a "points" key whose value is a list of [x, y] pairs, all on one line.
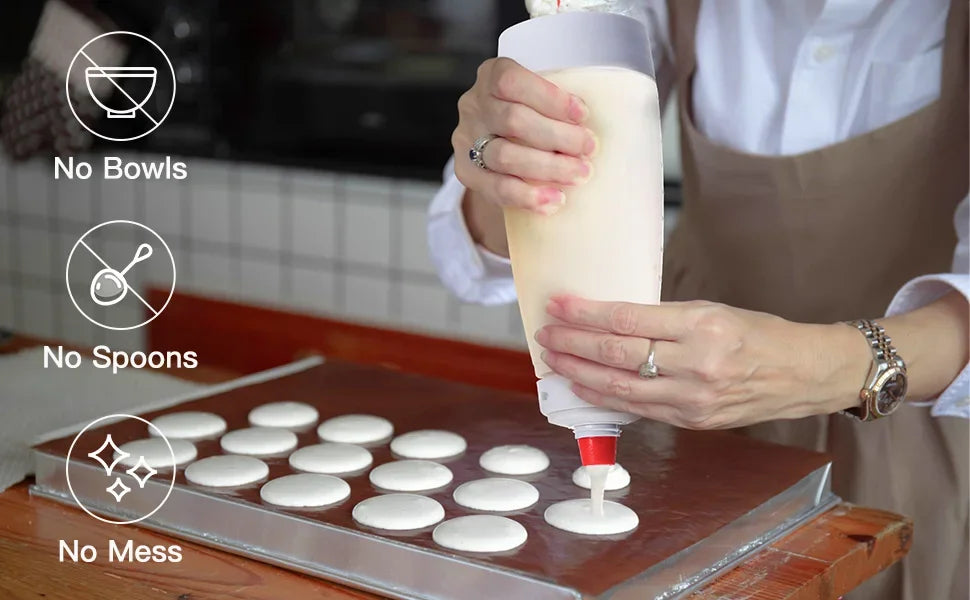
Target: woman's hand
{"points": [[542, 145], [719, 366]]}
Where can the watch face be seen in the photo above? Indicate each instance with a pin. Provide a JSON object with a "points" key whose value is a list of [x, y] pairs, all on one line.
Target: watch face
{"points": [[891, 393]]}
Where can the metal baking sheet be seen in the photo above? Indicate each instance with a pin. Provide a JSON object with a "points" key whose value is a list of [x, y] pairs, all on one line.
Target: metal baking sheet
{"points": [[705, 499]]}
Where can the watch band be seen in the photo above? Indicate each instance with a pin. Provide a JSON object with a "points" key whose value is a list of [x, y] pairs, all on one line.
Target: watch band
{"points": [[884, 358], [880, 343]]}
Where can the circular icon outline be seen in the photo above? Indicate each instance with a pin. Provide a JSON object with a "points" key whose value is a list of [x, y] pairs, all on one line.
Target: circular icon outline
{"points": [[67, 86], [67, 275], [67, 469]]}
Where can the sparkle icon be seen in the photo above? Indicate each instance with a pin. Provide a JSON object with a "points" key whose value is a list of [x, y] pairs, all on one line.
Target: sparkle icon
{"points": [[140, 460], [119, 454], [118, 489], [141, 465]]}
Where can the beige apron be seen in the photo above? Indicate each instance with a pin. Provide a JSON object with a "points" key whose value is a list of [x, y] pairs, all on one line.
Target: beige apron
{"points": [[830, 235]]}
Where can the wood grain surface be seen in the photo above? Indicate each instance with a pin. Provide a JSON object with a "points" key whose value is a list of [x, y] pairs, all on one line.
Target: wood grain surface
{"points": [[30, 530], [821, 560]]}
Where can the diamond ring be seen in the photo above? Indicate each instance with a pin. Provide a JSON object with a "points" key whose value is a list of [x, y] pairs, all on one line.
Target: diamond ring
{"points": [[648, 370]]}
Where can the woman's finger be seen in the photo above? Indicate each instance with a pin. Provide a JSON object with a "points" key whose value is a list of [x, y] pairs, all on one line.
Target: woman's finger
{"points": [[664, 413], [673, 359], [505, 156], [617, 383], [531, 128], [623, 352], [680, 402], [666, 321], [677, 416], [510, 81], [508, 190], [620, 351]]}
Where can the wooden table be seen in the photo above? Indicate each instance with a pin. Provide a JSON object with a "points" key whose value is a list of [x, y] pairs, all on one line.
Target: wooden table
{"points": [[822, 560]]}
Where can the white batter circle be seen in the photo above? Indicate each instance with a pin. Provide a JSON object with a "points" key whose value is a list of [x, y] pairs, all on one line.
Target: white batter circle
{"points": [[576, 516], [331, 458], [188, 425], [259, 441], [428, 444], [496, 494], [480, 533], [156, 454], [515, 459], [411, 476], [355, 429], [226, 471], [617, 478], [305, 490], [290, 415], [398, 512]]}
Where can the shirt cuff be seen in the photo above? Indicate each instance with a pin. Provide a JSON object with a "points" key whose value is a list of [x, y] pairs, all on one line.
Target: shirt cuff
{"points": [[496, 266], [471, 272], [955, 399]]}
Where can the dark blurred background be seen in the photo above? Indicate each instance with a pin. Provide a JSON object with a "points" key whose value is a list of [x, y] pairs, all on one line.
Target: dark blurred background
{"points": [[367, 85]]}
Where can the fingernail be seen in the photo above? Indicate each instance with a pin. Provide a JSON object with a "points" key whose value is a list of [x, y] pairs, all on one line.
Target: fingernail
{"points": [[545, 358], [550, 200], [591, 145], [542, 336], [548, 195], [585, 172], [554, 307], [578, 111]]}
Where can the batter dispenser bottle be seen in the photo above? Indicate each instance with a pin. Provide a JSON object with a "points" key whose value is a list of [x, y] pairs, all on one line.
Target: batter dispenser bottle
{"points": [[606, 241]]}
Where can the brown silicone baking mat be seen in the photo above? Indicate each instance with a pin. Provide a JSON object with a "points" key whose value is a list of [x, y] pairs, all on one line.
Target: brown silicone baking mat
{"points": [[705, 499]]}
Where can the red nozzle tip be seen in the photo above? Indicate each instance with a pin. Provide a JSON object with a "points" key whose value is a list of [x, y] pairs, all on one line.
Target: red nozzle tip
{"points": [[597, 450]]}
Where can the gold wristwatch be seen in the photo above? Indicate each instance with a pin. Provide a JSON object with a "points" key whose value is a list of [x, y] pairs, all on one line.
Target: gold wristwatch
{"points": [[885, 387]]}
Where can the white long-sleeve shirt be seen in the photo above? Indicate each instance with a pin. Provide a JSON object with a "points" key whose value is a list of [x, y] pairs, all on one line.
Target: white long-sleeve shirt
{"points": [[773, 78]]}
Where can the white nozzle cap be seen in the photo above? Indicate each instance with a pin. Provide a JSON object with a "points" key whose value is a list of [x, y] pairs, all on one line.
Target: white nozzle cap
{"points": [[564, 408], [597, 430]]}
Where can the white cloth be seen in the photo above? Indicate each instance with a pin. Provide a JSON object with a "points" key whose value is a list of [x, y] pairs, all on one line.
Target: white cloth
{"points": [[45, 404], [35, 400], [773, 78]]}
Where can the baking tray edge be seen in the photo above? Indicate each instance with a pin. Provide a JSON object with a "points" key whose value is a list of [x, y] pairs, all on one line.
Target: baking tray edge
{"points": [[225, 524], [697, 565]]}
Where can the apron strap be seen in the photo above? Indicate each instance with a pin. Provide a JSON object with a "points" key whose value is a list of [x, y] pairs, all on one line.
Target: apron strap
{"points": [[955, 47]]}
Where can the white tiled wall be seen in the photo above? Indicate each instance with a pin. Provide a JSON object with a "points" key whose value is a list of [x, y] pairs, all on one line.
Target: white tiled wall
{"points": [[343, 246]]}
